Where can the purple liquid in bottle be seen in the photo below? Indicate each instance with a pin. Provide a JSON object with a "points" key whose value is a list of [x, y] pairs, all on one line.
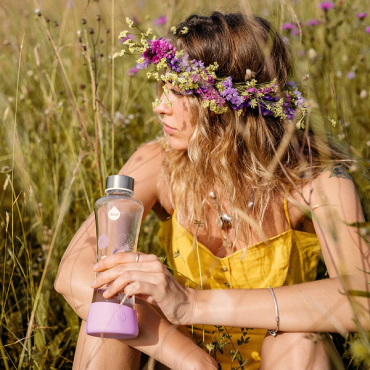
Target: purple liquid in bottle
{"points": [[117, 217]]}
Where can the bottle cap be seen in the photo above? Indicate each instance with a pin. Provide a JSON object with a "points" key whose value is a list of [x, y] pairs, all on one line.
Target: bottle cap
{"points": [[120, 182]]}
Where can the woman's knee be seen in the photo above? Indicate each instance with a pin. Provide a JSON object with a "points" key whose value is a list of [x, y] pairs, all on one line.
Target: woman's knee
{"points": [[296, 351]]}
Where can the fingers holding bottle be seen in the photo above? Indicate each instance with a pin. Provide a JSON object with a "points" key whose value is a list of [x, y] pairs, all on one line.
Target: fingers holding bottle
{"points": [[147, 279]]}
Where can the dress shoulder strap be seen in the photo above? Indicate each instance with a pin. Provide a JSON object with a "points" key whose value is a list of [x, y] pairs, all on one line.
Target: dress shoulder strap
{"points": [[286, 207]]}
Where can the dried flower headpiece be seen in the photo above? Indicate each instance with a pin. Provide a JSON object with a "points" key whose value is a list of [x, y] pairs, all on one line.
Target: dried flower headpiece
{"points": [[193, 77]]}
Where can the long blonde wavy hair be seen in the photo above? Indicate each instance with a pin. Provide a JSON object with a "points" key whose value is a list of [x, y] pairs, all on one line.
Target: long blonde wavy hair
{"points": [[239, 158]]}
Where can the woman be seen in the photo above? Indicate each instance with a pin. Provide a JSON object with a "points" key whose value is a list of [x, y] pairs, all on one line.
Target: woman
{"points": [[252, 199]]}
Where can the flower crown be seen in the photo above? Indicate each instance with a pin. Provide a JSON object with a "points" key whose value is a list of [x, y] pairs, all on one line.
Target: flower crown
{"points": [[193, 77]]}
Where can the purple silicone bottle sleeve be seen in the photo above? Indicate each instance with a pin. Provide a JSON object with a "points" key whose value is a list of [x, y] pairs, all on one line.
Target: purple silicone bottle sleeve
{"points": [[110, 320]]}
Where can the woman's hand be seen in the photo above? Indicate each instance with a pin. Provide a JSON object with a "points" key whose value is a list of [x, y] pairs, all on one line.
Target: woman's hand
{"points": [[148, 279]]}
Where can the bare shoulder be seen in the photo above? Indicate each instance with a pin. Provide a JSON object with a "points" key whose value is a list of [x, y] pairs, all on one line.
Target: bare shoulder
{"points": [[148, 156], [146, 167], [332, 189]]}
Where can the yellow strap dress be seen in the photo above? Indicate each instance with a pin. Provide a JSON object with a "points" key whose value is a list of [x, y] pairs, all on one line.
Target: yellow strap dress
{"points": [[288, 258]]}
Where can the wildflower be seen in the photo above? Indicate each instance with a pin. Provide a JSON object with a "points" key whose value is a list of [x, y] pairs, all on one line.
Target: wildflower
{"points": [[363, 94], [288, 26], [367, 29], [312, 54], [160, 21], [128, 37], [37, 12], [123, 34], [326, 5], [294, 32], [185, 30], [173, 30], [98, 18], [361, 16], [129, 22], [132, 72], [83, 21], [351, 75], [312, 22]]}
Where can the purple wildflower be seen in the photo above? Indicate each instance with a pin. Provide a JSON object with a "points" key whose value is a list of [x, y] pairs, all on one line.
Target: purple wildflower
{"points": [[160, 21], [197, 64], [294, 32], [312, 22], [288, 26], [159, 49], [361, 16], [210, 93], [231, 94], [367, 29], [185, 62], [132, 72], [351, 75], [195, 78], [326, 5]]}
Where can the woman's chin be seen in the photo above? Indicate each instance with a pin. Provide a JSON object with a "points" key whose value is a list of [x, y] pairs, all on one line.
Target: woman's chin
{"points": [[177, 144]]}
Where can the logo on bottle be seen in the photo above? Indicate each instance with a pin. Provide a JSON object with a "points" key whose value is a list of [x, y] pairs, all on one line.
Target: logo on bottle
{"points": [[114, 214]]}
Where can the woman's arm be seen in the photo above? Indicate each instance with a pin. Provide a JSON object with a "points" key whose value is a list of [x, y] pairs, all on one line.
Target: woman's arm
{"points": [[75, 270], [157, 337], [315, 306]]}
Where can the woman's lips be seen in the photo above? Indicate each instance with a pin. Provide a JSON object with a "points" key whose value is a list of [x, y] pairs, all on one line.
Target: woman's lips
{"points": [[168, 129]]}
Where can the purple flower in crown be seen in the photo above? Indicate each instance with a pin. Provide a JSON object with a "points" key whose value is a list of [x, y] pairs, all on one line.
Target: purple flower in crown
{"points": [[174, 64], [231, 94], [208, 92], [158, 49], [185, 62], [160, 21], [312, 22], [131, 37], [292, 84], [103, 241], [361, 16], [197, 64], [195, 78], [326, 5]]}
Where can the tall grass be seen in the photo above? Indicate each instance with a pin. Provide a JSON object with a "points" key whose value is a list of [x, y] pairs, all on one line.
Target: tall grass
{"points": [[71, 116]]}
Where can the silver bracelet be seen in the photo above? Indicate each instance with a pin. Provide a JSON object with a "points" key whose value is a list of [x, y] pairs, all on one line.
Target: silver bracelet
{"points": [[274, 332]]}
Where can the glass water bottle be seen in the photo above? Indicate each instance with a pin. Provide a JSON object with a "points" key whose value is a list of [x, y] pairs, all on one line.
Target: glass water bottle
{"points": [[117, 216]]}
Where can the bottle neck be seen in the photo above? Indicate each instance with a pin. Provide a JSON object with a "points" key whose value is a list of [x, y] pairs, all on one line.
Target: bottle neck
{"points": [[125, 192]]}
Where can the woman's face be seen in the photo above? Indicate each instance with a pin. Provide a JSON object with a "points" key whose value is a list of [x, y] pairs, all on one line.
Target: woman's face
{"points": [[175, 119]]}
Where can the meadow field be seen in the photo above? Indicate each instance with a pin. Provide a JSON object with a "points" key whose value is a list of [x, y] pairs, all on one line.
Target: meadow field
{"points": [[71, 115]]}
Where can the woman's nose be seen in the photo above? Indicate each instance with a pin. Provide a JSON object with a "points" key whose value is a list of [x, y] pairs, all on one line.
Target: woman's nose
{"points": [[163, 107]]}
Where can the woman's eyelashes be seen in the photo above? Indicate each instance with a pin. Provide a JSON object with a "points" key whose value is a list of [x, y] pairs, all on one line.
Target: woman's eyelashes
{"points": [[177, 93]]}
